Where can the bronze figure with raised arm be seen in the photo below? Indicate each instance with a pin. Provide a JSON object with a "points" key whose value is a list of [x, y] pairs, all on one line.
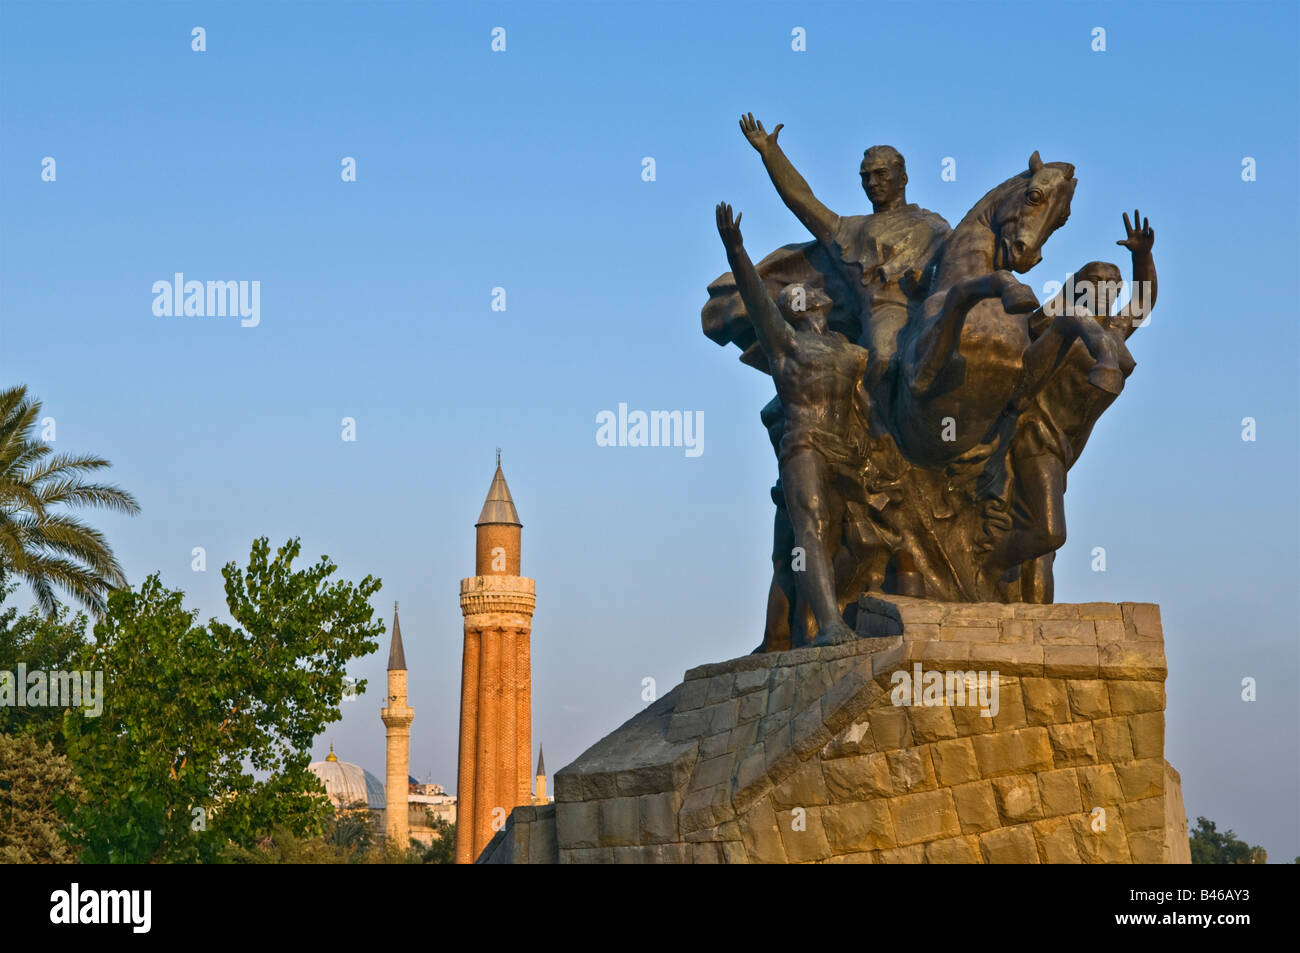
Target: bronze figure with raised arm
{"points": [[1060, 400], [818, 376]]}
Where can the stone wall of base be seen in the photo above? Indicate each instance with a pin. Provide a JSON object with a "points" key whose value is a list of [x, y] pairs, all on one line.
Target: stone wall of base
{"points": [[832, 755], [527, 838], [1178, 848]]}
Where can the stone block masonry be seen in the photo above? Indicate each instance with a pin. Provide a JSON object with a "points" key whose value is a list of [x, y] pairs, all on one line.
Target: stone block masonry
{"points": [[804, 757]]}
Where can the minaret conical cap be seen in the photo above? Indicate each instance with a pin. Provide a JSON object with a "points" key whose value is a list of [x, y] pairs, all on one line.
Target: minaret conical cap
{"points": [[541, 762], [396, 655], [499, 507]]}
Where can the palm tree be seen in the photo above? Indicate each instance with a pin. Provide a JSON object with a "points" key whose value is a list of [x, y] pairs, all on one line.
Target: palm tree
{"points": [[44, 548]]}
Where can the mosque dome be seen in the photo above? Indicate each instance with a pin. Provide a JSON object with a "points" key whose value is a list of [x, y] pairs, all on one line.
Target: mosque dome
{"points": [[348, 785]]}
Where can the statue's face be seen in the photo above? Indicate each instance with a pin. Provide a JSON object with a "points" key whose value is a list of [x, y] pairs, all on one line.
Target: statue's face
{"points": [[1097, 289], [882, 180], [811, 315]]}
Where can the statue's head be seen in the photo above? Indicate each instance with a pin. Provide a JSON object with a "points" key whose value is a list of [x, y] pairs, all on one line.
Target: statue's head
{"points": [[1097, 286], [807, 309], [884, 177], [1032, 206]]}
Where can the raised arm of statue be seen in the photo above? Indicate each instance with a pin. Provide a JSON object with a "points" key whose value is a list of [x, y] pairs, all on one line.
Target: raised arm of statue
{"points": [[775, 335], [790, 185], [1141, 236]]}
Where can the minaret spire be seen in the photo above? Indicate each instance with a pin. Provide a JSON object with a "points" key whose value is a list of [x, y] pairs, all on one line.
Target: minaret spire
{"points": [[540, 797], [397, 717], [396, 654], [499, 507]]}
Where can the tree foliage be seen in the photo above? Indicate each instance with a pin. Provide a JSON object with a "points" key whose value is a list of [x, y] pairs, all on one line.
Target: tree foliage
{"points": [[45, 642], [443, 848], [206, 731], [1211, 847], [34, 778], [350, 837]]}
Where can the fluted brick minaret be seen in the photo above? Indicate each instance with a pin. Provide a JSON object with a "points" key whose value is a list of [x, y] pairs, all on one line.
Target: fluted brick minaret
{"points": [[496, 678], [397, 720]]}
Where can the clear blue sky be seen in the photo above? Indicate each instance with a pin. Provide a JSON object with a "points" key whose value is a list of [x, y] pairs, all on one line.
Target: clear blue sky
{"points": [[522, 170]]}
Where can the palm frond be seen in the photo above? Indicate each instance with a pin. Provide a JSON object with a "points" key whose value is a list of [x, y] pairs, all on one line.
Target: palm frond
{"points": [[72, 492], [68, 463], [16, 496], [29, 452], [68, 536], [16, 434], [11, 398], [46, 548], [86, 587]]}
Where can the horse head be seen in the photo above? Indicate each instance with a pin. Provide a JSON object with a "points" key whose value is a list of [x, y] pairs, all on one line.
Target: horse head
{"points": [[1030, 207]]}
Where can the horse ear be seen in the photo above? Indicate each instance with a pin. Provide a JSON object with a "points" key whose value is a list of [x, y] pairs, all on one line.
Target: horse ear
{"points": [[1035, 163], [1068, 168]]}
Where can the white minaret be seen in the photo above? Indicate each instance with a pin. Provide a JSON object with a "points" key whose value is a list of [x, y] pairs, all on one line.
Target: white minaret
{"points": [[397, 720]]}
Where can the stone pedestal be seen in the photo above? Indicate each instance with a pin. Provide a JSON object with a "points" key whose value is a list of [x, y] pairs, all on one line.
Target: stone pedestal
{"points": [[956, 733]]}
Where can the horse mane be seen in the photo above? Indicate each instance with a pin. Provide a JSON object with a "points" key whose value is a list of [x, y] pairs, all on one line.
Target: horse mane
{"points": [[974, 232], [996, 194], [991, 198]]}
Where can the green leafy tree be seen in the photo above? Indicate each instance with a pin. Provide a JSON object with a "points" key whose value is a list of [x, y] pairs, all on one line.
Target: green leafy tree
{"points": [[443, 848], [195, 714], [45, 642], [33, 779], [350, 837], [41, 543], [283, 846], [1211, 847], [352, 829]]}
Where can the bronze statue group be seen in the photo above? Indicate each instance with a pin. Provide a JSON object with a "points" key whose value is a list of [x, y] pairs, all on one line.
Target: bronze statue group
{"points": [[927, 406]]}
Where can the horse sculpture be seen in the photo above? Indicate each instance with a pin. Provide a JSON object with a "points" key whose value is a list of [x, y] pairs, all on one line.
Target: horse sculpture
{"points": [[963, 360]]}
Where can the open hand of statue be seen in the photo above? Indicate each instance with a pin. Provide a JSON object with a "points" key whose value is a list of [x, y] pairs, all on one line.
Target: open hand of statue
{"points": [[758, 136], [727, 228], [1141, 236]]}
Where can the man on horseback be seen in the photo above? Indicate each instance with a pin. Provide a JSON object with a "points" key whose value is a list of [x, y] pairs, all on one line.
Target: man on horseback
{"points": [[882, 256]]}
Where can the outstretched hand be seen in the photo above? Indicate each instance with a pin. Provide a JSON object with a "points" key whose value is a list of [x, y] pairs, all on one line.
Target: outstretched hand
{"points": [[728, 228], [758, 136], [1141, 236]]}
